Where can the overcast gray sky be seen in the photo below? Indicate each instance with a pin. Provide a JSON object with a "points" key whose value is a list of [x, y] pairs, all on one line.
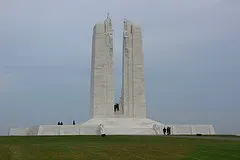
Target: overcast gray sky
{"points": [[191, 49]]}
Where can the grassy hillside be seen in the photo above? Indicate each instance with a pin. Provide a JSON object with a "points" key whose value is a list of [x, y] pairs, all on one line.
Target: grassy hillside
{"points": [[116, 148]]}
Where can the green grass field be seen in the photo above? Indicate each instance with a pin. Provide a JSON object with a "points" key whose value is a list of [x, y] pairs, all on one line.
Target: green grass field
{"points": [[116, 148]]}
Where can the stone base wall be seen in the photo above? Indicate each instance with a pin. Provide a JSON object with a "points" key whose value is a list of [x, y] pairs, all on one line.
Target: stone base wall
{"points": [[114, 126]]}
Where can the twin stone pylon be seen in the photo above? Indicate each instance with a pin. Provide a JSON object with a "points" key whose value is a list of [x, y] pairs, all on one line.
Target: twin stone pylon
{"points": [[132, 103]]}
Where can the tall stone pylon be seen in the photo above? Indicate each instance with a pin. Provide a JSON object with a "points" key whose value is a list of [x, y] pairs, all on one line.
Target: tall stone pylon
{"points": [[102, 85], [132, 102]]}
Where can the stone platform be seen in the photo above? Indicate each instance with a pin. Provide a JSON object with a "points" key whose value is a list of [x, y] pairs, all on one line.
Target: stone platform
{"points": [[113, 126]]}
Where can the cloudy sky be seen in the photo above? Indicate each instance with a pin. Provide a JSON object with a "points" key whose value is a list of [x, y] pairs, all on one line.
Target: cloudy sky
{"points": [[191, 49]]}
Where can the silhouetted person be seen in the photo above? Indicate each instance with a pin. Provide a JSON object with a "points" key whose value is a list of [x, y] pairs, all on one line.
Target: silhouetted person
{"points": [[116, 107], [61, 123], [58, 123], [168, 130], [164, 131], [74, 122]]}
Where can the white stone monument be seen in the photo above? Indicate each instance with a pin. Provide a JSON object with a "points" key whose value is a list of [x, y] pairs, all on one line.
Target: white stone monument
{"points": [[132, 101], [102, 89], [129, 118]]}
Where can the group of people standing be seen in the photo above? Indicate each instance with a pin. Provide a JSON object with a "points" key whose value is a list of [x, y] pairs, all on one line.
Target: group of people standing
{"points": [[168, 131]]}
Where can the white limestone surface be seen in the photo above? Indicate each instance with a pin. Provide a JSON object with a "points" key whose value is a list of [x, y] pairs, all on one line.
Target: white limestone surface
{"points": [[191, 129], [102, 89], [203, 129], [69, 130], [49, 130], [114, 126], [33, 130], [18, 131], [133, 100]]}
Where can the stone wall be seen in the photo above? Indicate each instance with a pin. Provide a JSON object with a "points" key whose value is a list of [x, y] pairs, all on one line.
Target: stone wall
{"points": [[18, 131], [139, 127]]}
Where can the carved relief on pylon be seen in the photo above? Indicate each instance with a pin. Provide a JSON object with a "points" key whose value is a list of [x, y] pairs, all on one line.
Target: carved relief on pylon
{"points": [[126, 52], [125, 34]]}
